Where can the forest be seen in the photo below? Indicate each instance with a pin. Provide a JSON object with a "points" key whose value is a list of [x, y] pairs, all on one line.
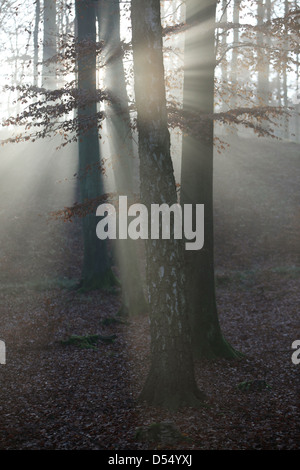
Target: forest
{"points": [[149, 226]]}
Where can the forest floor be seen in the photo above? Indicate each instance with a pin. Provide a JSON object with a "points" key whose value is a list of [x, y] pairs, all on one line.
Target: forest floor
{"points": [[58, 396]]}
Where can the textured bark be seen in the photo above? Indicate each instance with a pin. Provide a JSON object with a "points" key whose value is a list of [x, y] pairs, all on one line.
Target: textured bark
{"points": [[96, 272], [119, 129], [49, 44], [171, 381], [197, 182]]}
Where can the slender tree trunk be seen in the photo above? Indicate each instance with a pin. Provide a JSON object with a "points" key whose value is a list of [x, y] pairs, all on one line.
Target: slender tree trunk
{"points": [[96, 272], [284, 84], [35, 42], [268, 15], [263, 10], [121, 143], [224, 65], [297, 134], [278, 88], [197, 181], [16, 65], [297, 119], [263, 66], [234, 60], [49, 44], [171, 381]]}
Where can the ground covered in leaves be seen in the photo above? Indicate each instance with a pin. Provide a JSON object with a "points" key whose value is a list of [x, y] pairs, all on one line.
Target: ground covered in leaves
{"points": [[82, 394]]}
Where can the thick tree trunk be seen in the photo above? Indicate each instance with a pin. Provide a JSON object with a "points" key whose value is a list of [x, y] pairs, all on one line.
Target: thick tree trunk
{"points": [[171, 381], [197, 181], [96, 272], [119, 129], [49, 44]]}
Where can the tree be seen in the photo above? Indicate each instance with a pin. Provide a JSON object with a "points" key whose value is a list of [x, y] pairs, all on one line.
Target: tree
{"points": [[197, 179], [35, 42], [49, 44], [121, 144], [262, 55], [297, 120], [224, 42], [285, 86], [96, 272], [171, 382]]}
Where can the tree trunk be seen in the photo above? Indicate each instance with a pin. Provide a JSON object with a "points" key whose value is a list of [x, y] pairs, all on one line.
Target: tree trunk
{"points": [[284, 84], [49, 44], [297, 133], [35, 42], [234, 60], [96, 272], [197, 181], [171, 381], [119, 129], [224, 65], [262, 56]]}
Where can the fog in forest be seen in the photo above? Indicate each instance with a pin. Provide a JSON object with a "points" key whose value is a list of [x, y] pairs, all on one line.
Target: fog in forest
{"points": [[71, 121]]}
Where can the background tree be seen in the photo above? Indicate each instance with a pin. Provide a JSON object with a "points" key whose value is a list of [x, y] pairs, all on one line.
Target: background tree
{"points": [[49, 44], [197, 178], [224, 65], [96, 270], [262, 57], [235, 50], [36, 41], [119, 129], [284, 81]]}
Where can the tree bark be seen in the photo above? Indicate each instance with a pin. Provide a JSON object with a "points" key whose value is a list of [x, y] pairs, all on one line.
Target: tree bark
{"points": [[197, 181], [171, 382]]}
